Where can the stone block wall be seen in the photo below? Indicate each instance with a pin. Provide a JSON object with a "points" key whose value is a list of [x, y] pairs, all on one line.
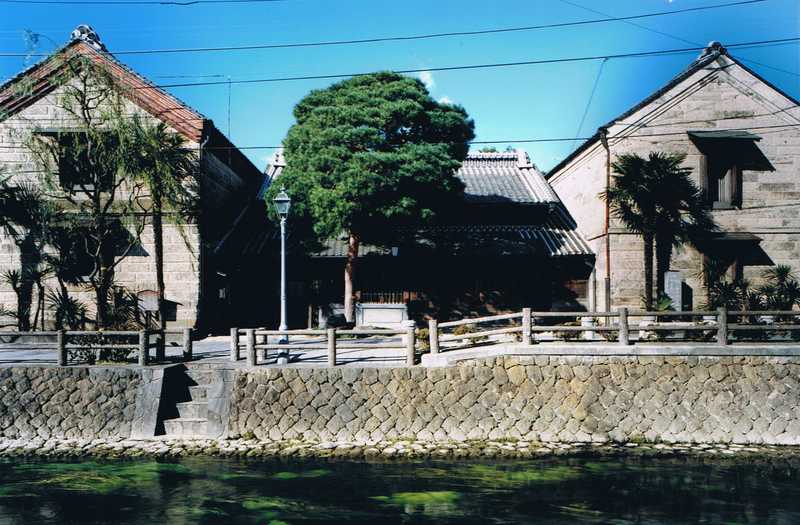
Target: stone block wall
{"points": [[546, 398], [78, 402], [721, 96], [225, 194]]}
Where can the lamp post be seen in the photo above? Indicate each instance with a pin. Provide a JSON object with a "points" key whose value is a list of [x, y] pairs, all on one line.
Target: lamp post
{"points": [[282, 204]]}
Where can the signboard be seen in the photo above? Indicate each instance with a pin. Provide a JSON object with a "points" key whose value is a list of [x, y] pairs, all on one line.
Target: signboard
{"points": [[673, 287], [148, 300]]}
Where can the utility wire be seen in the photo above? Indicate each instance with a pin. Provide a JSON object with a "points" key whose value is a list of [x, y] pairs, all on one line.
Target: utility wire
{"points": [[673, 36], [591, 96], [634, 24], [387, 38], [136, 2], [765, 129], [471, 66]]}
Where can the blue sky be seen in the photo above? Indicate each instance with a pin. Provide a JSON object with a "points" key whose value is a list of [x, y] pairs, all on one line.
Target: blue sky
{"points": [[539, 101]]}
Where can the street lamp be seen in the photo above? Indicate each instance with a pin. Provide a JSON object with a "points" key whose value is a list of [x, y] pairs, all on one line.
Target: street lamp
{"points": [[282, 205]]}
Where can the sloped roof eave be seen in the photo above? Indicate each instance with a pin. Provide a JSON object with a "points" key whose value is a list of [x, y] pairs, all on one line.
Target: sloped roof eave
{"points": [[162, 105], [696, 66]]}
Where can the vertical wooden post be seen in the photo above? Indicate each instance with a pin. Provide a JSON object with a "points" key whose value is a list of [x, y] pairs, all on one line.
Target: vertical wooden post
{"points": [[187, 344], [62, 348], [331, 346], [433, 335], [624, 331], [250, 341], [526, 326], [234, 344], [161, 346], [143, 344], [722, 326], [410, 344], [264, 340]]}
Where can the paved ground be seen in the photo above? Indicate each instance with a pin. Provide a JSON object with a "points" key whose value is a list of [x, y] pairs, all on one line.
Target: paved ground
{"points": [[217, 350]]}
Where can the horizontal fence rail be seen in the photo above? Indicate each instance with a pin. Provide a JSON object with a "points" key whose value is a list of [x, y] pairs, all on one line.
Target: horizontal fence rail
{"points": [[63, 342], [254, 339], [721, 326]]}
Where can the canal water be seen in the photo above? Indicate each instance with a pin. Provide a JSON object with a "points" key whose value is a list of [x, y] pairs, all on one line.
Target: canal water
{"points": [[547, 491]]}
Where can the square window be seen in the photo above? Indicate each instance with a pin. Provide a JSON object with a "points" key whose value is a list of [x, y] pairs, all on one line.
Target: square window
{"points": [[723, 182], [79, 168]]}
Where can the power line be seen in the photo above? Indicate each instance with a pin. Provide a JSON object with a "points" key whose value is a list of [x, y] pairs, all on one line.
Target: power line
{"points": [[634, 24], [469, 67], [379, 39], [765, 129], [137, 2], [673, 36], [591, 95]]}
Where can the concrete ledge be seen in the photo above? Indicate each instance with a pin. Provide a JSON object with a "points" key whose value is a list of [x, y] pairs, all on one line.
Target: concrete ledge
{"points": [[452, 357]]}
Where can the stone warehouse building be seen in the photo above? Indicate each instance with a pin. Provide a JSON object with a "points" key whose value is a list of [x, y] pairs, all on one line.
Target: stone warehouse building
{"points": [[32, 102], [741, 137]]}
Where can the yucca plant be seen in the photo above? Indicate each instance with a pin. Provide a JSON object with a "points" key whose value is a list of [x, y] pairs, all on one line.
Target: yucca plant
{"points": [[69, 313]]}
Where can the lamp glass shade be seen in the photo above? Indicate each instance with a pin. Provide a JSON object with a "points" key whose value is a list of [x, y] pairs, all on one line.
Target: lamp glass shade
{"points": [[282, 203]]}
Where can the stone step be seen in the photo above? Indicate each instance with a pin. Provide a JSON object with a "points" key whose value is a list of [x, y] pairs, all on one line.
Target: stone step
{"points": [[199, 392], [186, 427], [193, 409], [200, 376]]}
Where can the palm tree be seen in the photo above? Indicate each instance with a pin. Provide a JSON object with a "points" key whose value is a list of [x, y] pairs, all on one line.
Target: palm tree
{"points": [[28, 218], [167, 169], [656, 198]]}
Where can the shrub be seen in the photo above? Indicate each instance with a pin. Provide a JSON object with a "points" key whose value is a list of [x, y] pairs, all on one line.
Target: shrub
{"points": [[423, 340], [570, 335], [468, 329]]}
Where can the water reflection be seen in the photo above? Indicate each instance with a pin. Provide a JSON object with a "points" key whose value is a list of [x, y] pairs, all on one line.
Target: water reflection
{"points": [[552, 491]]}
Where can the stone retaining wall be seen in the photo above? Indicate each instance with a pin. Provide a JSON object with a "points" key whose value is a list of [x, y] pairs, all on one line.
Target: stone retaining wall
{"points": [[78, 402], [546, 398]]}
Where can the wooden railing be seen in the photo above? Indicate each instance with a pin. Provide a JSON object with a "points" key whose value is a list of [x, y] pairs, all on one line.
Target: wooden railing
{"points": [[332, 340], [717, 324], [97, 340]]}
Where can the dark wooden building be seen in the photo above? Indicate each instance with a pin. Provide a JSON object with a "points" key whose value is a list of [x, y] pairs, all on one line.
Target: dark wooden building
{"points": [[513, 244]]}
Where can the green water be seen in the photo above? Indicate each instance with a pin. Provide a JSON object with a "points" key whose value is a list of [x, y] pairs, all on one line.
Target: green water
{"points": [[558, 490]]}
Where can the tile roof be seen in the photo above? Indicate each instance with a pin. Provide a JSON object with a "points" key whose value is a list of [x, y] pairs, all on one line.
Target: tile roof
{"points": [[505, 177], [155, 101], [34, 82], [557, 237]]}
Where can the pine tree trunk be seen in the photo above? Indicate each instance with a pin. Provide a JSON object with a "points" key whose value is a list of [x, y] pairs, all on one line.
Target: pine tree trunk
{"points": [[648, 270], [158, 241], [101, 296], [349, 273]]}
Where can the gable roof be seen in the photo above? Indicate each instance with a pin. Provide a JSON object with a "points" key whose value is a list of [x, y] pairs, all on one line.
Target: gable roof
{"points": [[504, 177], [714, 51], [490, 178], [35, 82]]}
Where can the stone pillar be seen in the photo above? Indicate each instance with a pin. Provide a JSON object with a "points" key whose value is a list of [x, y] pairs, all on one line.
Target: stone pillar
{"points": [[410, 340], [331, 333], [433, 335]]}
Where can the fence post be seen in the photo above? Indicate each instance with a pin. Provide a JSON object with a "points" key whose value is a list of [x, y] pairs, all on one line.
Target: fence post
{"points": [[624, 331], [234, 344], [526, 326], [331, 346], [161, 346], [143, 344], [433, 335], [410, 343], [62, 348], [250, 342], [187, 344], [722, 326]]}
